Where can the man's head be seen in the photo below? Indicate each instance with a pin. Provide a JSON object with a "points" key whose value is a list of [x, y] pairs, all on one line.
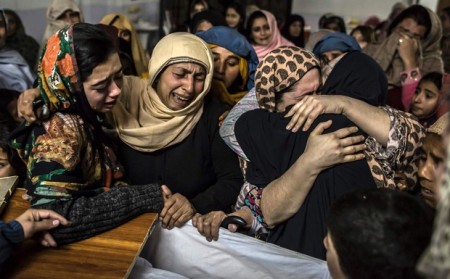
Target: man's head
{"points": [[377, 233]]}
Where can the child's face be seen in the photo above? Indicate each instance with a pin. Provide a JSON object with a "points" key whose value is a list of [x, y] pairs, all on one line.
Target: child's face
{"points": [[425, 100], [431, 161], [5, 168]]}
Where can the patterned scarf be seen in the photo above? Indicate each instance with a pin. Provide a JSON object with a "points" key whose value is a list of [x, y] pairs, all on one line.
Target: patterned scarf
{"points": [[58, 75], [280, 69]]}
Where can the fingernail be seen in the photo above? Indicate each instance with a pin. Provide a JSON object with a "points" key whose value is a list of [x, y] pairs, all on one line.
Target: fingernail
{"points": [[55, 222], [288, 127]]}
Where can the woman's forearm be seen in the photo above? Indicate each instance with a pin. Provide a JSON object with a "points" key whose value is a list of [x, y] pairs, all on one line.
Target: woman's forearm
{"points": [[93, 215], [372, 120], [283, 197]]}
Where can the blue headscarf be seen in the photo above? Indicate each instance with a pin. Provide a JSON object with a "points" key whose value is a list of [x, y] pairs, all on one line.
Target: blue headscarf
{"points": [[235, 42], [336, 41]]}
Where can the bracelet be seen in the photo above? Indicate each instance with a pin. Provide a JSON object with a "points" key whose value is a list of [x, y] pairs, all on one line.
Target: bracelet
{"points": [[410, 75]]}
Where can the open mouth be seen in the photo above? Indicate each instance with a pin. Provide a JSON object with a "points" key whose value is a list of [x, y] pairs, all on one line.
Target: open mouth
{"points": [[180, 100]]}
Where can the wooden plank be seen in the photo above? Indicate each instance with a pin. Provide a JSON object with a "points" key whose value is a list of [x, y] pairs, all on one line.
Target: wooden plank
{"points": [[111, 254]]}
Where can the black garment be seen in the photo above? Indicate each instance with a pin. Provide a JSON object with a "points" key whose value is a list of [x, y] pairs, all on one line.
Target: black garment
{"points": [[271, 150], [359, 76], [201, 167], [11, 234]]}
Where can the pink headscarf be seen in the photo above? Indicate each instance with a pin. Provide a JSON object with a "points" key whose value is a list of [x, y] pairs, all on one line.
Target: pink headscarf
{"points": [[276, 41]]}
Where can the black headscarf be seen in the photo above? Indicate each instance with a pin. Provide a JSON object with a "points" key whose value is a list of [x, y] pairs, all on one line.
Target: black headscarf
{"points": [[358, 76], [272, 150]]}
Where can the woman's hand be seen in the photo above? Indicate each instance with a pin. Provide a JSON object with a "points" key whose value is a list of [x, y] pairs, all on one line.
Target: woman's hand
{"points": [[25, 104], [208, 225], [326, 150], [407, 50], [310, 107], [37, 222], [177, 209]]}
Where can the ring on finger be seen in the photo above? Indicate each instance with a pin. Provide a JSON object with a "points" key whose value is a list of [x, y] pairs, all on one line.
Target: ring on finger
{"points": [[400, 41]]}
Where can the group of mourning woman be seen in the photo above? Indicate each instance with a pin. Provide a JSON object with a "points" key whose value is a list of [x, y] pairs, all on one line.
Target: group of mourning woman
{"points": [[262, 129]]}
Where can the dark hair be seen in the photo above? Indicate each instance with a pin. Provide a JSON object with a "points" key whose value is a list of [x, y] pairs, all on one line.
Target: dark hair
{"points": [[204, 3], [417, 13], [379, 233], [255, 15], [323, 18], [336, 20], [434, 77], [92, 46], [13, 157], [211, 16], [241, 11], [7, 96], [367, 32]]}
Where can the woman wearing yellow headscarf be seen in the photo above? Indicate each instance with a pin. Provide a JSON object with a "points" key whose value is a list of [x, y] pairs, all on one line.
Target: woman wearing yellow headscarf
{"points": [[129, 41]]}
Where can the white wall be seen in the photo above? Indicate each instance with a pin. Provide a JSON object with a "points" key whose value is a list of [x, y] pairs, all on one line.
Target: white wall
{"points": [[311, 10], [33, 12]]}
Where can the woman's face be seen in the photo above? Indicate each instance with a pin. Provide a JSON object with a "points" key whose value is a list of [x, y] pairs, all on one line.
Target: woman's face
{"points": [[359, 38], [70, 17], [103, 86], [12, 25], [125, 34], [180, 84], [260, 31], [425, 99], [5, 167], [203, 26], [197, 8], [232, 17], [226, 65], [431, 161], [307, 85], [295, 28], [409, 27], [333, 26]]}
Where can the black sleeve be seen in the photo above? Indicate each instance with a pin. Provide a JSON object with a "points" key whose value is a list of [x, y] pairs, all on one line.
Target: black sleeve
{"points": [[223, 194], [11, 234], [93, 215]]}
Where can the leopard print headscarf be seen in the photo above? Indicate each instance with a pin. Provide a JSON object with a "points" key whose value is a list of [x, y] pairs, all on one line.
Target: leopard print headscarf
{"points": [[280, 69]]}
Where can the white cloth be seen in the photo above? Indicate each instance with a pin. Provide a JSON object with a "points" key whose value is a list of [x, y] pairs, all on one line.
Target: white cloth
{"points": [[184, 251], [144, 270]]}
